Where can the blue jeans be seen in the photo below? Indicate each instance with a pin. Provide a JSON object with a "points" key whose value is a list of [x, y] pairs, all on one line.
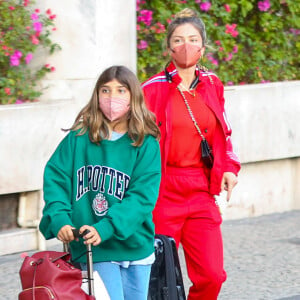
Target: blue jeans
{"points": [[124, 283]]}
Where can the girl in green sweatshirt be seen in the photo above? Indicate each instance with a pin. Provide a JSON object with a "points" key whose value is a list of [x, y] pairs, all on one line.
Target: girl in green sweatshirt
{"points": [[104, 176]]}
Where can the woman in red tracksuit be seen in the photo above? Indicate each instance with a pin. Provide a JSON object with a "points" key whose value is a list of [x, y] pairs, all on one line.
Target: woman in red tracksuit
{"points": [[186, 208]]}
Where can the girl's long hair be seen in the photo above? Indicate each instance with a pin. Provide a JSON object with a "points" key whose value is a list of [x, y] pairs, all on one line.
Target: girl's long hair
{"points": [[140, 120]]}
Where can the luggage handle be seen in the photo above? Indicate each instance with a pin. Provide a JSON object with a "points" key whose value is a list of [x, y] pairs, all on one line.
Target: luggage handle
{"points": [[77, 234], [89, 259]]}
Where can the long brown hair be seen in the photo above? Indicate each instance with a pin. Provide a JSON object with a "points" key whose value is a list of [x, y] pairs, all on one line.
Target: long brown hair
{"points": [[140, 120]]}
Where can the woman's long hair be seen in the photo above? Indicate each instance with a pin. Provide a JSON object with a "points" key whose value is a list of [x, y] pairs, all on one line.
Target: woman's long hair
{"points": [[140, 120]]}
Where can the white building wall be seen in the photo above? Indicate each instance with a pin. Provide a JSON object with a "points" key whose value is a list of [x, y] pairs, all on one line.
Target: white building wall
{"points": [[93, 34], [266, 136]]}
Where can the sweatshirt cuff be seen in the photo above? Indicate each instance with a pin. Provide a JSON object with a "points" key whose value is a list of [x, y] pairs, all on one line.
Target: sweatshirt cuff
{"points": [[105, 229]]}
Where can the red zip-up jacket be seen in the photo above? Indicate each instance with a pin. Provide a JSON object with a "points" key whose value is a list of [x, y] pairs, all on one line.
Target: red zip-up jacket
{"points": [[157, 91]]}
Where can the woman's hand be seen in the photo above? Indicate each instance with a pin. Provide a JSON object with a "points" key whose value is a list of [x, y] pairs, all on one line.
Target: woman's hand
{"points": [[65, 234], [92, 237], [229, 181]]}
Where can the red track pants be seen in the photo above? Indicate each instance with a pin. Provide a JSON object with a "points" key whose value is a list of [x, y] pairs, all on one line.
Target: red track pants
{"points": [[188, 213]]}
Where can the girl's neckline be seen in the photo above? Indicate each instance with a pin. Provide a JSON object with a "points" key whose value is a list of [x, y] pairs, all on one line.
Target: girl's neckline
{"points": [[116, 135], [115, 138]]}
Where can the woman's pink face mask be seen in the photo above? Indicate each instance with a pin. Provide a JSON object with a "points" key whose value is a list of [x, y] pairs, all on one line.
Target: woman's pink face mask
{"points": [[186, 55]]}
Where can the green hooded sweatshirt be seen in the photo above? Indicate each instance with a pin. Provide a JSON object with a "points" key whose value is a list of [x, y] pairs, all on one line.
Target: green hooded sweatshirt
{"points": [[112, 186]]}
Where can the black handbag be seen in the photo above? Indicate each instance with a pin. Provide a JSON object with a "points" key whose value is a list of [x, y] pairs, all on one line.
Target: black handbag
{"points": [[206, 154]]}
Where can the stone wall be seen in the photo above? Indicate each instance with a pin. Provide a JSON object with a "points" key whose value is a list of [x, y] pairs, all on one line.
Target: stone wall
{"points": [[93, 35], [266, 136]]}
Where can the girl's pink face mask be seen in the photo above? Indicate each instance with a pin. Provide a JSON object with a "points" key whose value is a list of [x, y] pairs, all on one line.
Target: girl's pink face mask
{"points": [[113, 107], [186, 55]]}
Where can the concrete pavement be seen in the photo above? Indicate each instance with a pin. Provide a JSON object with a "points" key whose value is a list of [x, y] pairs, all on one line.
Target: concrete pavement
{"points": [[262, 260]]}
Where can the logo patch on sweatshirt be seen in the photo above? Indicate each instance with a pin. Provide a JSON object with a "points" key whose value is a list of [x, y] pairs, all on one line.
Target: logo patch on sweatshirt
{"points": [[101, 179], [100, 205]]}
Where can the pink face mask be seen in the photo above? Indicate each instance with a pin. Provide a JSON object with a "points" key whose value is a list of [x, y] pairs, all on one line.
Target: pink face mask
{"points": [[114, 108], [186, 55]]}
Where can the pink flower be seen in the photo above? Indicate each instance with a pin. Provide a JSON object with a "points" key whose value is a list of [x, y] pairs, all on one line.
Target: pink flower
{"points": [[38, 26], [48, 11], [235, 49], [264, 5], [15, 58], [18, 54], [37, 10], [197, 1], [34, 40], [227, 7], [52, 69], [28, 58], [212, 59], [205, 6], [218, 42], [145, 17], [142, 45], [138, 3], [52, 17], [215, 62], [160, 28], [7, 91], [12, 8], [229, 57], [229, 83], [295, 31], [230, 29], [34, 17]]}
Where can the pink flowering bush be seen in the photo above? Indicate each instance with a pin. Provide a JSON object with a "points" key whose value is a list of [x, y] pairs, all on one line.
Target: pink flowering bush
{"points": [[23, 30], [250, 41]]}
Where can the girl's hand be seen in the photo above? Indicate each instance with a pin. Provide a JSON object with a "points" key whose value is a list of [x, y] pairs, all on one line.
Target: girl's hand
{"points": [[92, 237], [229, 181], [65, 234]]}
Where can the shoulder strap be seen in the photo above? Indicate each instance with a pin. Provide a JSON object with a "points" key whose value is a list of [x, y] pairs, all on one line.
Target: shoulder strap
{"points": [[191, 113]]}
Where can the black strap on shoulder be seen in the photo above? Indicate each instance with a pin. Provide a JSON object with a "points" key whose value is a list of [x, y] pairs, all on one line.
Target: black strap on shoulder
{"points": [[169, 78], [194, 83]]}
